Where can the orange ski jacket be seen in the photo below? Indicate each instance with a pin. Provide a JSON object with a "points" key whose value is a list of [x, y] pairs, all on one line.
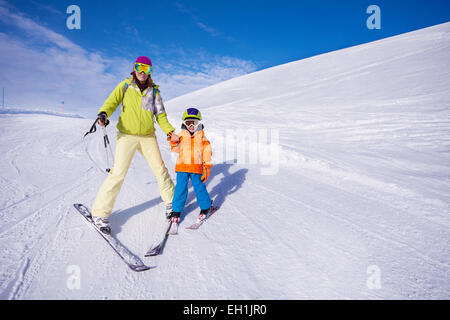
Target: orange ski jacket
{"points": [[194, 152]]}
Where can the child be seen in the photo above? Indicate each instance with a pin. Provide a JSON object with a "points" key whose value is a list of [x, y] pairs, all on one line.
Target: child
{"points": [[194, 162]]}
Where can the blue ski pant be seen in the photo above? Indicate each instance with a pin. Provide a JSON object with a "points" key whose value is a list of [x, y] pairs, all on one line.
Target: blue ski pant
{"points": [[181, 191]]}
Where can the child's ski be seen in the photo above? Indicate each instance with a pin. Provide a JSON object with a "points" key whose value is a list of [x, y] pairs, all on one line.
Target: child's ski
{"points": [[158, 247], [197, 225], [129, 258]]}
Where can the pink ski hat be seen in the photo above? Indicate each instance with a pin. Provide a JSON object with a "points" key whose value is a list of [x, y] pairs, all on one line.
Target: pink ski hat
{"points": [[144, 59]]}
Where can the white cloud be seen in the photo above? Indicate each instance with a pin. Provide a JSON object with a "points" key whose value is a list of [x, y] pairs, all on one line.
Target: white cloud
{"points": [[39, 68], [199, 71], [189, 11]]}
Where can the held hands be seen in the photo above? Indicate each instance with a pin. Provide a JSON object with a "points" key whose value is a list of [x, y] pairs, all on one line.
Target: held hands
{"points": [[173, 138], [206, 171]]}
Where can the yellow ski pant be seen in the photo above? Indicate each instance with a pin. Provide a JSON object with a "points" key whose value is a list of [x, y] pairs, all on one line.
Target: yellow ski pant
{"points": [[126, 146]]}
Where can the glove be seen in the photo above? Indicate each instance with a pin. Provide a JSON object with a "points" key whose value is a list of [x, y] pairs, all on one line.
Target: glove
{"points": [[174, 143], [103, 119], [206, 172]]}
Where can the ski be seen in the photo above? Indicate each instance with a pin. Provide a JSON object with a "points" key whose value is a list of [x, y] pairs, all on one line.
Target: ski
{"points": [[197, 225], [129, 258], [158, 247]]}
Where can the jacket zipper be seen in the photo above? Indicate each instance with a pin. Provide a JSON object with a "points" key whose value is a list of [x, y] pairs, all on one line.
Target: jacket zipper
{"points": [[192, 150], [140, 116]]}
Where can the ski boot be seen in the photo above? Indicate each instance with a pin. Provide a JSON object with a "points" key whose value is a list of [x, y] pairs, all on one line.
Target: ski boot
{"points": [[102, 224], [175, 216], [203, 214]]}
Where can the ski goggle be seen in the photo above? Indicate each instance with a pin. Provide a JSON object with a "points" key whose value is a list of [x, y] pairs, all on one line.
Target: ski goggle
{"points": [[191, 122], [142, 67]]}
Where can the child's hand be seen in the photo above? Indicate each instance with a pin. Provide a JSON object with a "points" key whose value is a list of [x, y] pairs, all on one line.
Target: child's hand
{"points": [[206, 172], [174, 138]]}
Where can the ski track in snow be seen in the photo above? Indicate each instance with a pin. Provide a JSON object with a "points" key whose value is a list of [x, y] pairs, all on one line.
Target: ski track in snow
{"points": [[363, 181], [355, 226]]}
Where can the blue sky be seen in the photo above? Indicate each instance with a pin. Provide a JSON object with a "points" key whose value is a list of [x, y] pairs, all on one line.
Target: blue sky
{"points": [[192, 44]]}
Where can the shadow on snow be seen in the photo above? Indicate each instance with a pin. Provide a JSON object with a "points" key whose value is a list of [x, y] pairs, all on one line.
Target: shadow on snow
{"points": [[229, 183]]}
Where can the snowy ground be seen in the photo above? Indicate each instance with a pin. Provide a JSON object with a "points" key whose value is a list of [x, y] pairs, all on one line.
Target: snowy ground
{"points": [[356, 189]]}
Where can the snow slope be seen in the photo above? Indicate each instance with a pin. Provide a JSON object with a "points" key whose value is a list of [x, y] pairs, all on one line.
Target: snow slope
{"points": [[37, 111], [354, 189]]}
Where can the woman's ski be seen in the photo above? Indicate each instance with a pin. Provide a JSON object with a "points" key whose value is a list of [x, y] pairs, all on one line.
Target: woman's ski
{"points": [[129, 258]]}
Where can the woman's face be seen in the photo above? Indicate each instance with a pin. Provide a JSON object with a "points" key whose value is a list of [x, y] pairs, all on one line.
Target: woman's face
{"points": [[142, 76]]}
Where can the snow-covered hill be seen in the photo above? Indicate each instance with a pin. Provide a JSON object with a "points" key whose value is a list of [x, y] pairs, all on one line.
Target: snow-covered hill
{"points": [[332, 174], [38, 111]]}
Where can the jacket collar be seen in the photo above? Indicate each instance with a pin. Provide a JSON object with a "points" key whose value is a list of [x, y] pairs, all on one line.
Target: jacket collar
{"points": [[138, 86]]}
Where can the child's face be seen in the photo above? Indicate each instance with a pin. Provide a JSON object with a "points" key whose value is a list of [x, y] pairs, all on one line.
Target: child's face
{"points": [[191, 124]]}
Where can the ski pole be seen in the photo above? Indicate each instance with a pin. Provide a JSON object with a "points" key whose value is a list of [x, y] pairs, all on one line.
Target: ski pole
{"points": [[107, 148], [94, 127], [92, 130], [105, 141]]}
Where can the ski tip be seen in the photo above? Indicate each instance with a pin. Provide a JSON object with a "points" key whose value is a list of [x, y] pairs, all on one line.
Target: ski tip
{"points": [[150, 255], [153, 252], [140, 268], [193, 227]]}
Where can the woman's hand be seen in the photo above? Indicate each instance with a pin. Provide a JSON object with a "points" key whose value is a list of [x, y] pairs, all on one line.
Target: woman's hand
{"points": [[172, 137], [102, 119]]}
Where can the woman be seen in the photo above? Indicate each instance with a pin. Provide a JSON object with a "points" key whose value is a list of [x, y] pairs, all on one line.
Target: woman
{"points": [[141, 102]]}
